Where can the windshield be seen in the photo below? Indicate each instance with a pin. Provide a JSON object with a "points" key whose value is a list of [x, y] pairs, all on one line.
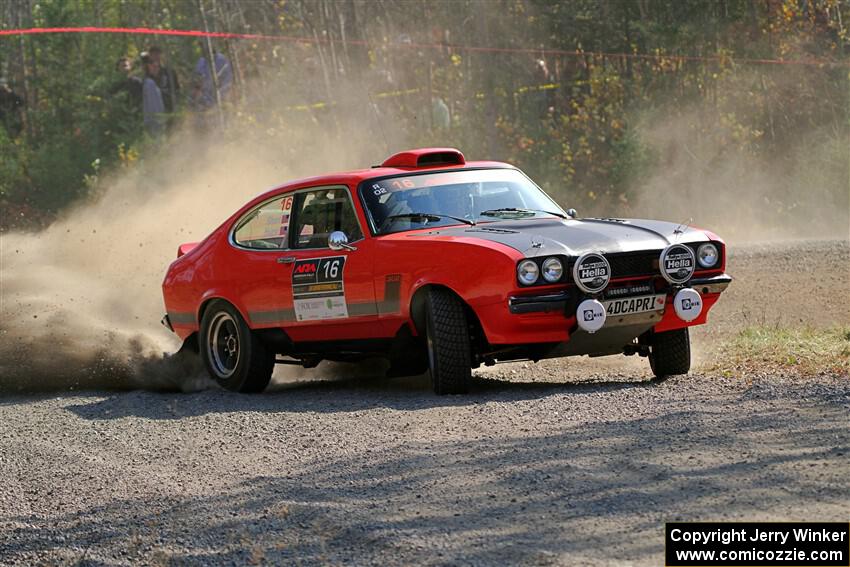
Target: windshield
{"points": [[443, 198]]}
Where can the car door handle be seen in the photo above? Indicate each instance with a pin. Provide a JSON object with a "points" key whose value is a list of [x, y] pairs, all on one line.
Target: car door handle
{"points": [[286, 260]]}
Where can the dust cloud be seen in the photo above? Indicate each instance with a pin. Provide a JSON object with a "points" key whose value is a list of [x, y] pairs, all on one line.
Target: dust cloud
{"points": [[80, 301], [700, 174]]}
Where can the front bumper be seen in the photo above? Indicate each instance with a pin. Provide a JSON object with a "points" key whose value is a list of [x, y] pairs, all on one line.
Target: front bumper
{"points": [[549, 316], [713, 284], [545, 303]]}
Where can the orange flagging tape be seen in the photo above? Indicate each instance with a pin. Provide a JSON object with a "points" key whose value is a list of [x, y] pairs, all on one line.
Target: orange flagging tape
{"points": [[468, 48]]}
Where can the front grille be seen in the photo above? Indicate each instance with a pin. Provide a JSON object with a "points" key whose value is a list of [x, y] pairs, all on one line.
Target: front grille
{"points": [[630, 264], [643, 263], [624, 264]]}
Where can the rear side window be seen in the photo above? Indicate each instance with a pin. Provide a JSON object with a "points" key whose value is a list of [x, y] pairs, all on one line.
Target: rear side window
{"points": [[267, 226], [321, 212]]}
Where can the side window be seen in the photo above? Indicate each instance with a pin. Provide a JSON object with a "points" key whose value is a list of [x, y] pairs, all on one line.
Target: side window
{"points": [[321, 212], [265, 227]]}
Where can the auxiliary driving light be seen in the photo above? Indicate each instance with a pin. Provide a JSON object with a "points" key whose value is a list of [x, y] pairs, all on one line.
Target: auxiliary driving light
{"points": [[688, 304], [590, 315], [677, 263], [592, 272]]}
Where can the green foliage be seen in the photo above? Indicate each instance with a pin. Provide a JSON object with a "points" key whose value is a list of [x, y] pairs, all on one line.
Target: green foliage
{"points": [[577, 123]]}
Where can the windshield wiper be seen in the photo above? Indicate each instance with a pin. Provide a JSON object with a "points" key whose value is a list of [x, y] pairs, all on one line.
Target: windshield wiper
{"points": [[514, 210], [427, 217]]}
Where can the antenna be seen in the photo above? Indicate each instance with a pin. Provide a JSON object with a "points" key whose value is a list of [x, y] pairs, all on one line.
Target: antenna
{"points": [[378, 120]]}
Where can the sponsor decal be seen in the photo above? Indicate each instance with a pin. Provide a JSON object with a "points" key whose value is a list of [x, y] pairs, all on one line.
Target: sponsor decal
{"points": [[592, 272], [318, 291], [677, 263], [306, 268]]}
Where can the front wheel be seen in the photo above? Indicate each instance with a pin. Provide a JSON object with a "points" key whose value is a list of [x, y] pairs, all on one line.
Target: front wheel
{"points": [[232, 354], [449, 349], [670, 353]]}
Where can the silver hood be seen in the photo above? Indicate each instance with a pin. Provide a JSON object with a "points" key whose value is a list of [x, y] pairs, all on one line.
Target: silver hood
{"points": [[543, 237]]}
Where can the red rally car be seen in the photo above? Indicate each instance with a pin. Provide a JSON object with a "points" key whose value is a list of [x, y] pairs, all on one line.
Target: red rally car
{"points": [[439, 264]]}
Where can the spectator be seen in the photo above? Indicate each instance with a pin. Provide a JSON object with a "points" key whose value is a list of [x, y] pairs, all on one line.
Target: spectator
{"points": [[166, 80], [441, 118], [10, 109], [131, 84], [203, 88], [544, 94], [153, 107]]}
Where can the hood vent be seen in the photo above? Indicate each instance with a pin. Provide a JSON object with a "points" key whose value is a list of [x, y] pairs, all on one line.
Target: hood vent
{"points": [[493, 230], [426, 157]]}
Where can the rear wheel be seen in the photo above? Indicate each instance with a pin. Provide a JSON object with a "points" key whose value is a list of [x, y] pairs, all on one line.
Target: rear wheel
{"points": [[447, 335], [232, 354], [670, 353]]}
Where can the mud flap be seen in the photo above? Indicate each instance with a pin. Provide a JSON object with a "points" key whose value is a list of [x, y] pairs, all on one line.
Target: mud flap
{"points": [[190, 344]]}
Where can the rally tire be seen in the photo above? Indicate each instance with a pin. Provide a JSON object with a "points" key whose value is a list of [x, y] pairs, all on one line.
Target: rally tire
{"points": [[670, 353], [232, 354], [448, 343]]}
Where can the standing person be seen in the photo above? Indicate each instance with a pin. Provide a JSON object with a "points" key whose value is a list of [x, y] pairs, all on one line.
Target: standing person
{"points": [[131, 84], [441, 118], [153, 107], [10, 109], [204, 96], [166, 80], [545, 94]]}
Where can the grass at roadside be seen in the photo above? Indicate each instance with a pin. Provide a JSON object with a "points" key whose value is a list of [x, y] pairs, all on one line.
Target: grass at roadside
{"points": [[805, 351]]}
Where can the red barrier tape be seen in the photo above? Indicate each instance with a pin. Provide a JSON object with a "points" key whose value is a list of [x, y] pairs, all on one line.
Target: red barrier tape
{"points": [[468, 48]]}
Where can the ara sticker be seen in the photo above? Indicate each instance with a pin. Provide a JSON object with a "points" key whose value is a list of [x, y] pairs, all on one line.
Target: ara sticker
{"points": [[318, 291]]}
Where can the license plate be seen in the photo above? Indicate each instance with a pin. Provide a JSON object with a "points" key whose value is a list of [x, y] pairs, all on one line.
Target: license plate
{"points": [[632, 305]]}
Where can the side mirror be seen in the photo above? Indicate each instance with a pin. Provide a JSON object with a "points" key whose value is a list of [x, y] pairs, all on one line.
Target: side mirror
{"points": [[337, 240], [572, 213]]}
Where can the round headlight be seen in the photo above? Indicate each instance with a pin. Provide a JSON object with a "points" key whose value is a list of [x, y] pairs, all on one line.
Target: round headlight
{"points": [[707, 255], [552, 270], [527, 272]]}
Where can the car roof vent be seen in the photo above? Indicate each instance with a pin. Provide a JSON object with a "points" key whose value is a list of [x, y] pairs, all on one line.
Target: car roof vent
{"points": [[425, 157]]}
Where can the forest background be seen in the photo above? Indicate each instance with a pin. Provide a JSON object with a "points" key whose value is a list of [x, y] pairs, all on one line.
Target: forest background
{"points": [[731, 111]]}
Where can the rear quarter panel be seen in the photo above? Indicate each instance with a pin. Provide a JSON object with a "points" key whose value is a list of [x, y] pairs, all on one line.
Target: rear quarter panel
{"points": [[193, 278]]}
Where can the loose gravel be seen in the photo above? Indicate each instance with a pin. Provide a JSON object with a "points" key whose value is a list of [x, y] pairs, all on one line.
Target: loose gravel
{"points": [[571, 462]]}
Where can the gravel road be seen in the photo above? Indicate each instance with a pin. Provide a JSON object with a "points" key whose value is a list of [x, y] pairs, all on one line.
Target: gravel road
{"points": [[566, 462]]}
